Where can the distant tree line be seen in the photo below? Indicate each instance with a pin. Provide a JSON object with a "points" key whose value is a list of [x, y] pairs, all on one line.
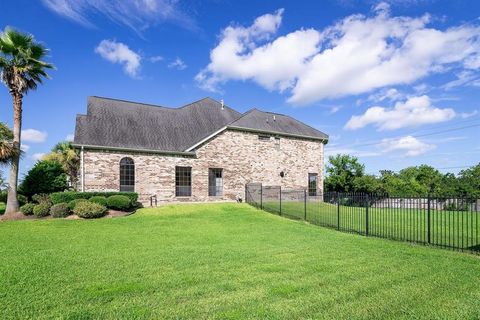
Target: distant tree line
{"points": [[344, 173]]}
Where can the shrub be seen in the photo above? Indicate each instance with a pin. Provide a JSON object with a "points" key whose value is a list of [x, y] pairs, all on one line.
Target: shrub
{"points": [[88, 210], [99, 199], [41, 198], [68, 196], [60, 210], [27, 209], [21, 199], [72, 204], [119, 202], [41, 210]]}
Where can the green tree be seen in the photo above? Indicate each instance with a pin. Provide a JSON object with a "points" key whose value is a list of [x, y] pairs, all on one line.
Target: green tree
{"points": [[7, 150], [44, 177], [469, 181], [368, 183], [342, 170], [67, 156], [22, 69]]}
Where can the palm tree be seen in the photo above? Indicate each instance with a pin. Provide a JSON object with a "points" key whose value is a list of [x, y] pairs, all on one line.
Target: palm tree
{"points": [[65, 154], [7, 151], [22, 69]]}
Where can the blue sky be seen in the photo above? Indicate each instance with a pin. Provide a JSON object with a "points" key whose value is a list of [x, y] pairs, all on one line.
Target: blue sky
{"points": [[395, 83]]}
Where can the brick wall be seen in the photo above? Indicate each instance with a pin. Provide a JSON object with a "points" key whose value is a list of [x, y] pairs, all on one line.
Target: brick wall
{"points": [[242, 156]]}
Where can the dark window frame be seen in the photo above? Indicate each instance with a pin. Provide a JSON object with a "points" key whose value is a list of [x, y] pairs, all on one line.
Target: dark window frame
{"points": [[183, 181], [127, 175], [215, 190], [312, 189]]}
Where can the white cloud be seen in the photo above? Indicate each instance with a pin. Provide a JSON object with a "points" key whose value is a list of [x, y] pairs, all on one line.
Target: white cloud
{"points": [[117, 52], [70, 137], [138, 14], [465, 115], [35, 136], [408, 144], [350, 151], [155, 59], [415, 111], [356, 55], [37, 156], [24, 147], [178, 64]]}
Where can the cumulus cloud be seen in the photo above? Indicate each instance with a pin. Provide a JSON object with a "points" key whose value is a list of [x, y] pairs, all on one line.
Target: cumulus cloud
{"points": [[413, 112], [117, 52], [37, 156], [70, 137], [178, 64], [24, 147], [136, 14], [35, 136], [410, 145], [356, 55]]}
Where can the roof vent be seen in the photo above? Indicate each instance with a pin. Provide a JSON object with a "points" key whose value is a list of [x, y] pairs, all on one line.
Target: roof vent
{"points": [[223, 105], [274, 118]]}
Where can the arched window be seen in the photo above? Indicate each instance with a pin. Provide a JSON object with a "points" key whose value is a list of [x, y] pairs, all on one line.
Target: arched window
{"points": [[127, 175]]}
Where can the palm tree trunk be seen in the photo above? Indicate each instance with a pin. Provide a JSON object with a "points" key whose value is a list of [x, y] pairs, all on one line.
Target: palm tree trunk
{"points": [[12, 201]]}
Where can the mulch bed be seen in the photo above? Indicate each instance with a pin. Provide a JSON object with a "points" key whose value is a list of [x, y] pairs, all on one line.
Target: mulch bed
{"points": [[21, 216]]}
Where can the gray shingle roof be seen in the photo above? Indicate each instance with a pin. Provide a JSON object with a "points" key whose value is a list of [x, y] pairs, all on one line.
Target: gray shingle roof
{"points": [[275, 122], [123, 124]]}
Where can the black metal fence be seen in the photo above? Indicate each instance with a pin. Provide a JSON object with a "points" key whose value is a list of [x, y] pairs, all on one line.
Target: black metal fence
{"points": [[451, 222]]}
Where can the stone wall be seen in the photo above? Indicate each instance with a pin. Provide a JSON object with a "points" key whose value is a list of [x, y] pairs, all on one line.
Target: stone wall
{"points": [[243, 157]]}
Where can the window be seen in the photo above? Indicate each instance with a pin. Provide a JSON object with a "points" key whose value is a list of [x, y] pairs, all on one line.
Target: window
{"points": [[277, 143], [183, 181], [312, 184], [215, 182], [264, 138], [127, 175]]}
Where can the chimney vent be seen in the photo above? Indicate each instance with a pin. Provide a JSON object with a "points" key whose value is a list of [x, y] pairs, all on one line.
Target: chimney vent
{"points": [[223, 105], [274, 118]]}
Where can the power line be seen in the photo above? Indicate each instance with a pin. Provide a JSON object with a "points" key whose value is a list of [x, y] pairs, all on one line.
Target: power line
{"points": [[415, 136]]}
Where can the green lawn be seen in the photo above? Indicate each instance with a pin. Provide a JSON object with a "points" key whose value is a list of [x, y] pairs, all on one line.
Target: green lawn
{"points": [[2, 207], [460, 229], [224, 261]]}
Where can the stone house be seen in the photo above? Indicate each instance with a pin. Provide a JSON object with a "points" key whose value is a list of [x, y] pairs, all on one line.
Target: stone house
{"points": [[203, 151]]}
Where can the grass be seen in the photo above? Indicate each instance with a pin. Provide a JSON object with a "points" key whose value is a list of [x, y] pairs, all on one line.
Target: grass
{"points": [[224, 261], [2, 208], [459, 229]]}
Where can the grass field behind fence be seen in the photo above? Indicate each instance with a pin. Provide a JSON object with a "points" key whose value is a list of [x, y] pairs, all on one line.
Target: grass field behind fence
{"points": [[224, 261], [459, 229]]}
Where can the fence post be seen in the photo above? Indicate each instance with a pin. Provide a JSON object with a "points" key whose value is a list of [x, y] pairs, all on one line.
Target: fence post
{"points": [[261, 196], [428, 217], [366, 214], [280, 200], [305, 204], [338, 211]]}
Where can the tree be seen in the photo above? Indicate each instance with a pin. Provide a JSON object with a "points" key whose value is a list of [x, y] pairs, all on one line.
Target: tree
{"points": [[469, 181], [67, 156], [44, 177], [368, 183], [342, 171], [22, 69], [7, 151]]}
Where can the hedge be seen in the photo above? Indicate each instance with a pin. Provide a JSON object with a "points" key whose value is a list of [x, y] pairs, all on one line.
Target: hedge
{"points": [[59, 197], [60, 210]]}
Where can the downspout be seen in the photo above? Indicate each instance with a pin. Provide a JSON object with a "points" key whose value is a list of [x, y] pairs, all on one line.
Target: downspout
{"points": [[82, 170]]}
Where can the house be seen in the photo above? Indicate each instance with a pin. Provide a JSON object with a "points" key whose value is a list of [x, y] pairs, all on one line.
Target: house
{"points": [[202, 151]]}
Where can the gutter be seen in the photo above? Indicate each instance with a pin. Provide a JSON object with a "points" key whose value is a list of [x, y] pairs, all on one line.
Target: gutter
{"points": [[93, 147]]}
